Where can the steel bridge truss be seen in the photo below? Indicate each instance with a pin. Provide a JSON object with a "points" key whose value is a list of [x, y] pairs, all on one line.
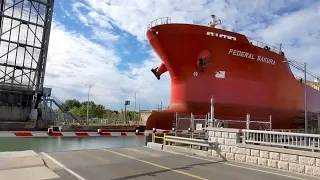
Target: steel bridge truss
{"points": [[24, 37]]}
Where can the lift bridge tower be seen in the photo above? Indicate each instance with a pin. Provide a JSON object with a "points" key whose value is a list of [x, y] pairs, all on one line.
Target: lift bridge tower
{"points": [[24, 38]]}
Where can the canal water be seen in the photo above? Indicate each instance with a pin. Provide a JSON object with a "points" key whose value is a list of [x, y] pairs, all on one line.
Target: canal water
{"points": [[54, 144]]}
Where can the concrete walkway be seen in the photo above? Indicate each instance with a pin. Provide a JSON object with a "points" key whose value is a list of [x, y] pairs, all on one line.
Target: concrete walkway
{"points": [[26, 165]]}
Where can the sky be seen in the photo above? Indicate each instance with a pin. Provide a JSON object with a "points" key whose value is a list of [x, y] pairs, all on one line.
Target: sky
{"points": [[103, 43]]}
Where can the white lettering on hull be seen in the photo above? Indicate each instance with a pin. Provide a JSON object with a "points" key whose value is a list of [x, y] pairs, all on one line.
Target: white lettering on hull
{"points": [[224, 36], [251, 56]]}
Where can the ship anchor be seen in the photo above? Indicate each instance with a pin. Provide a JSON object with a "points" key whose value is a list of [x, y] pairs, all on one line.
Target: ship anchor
{"points": [[154, 71]]}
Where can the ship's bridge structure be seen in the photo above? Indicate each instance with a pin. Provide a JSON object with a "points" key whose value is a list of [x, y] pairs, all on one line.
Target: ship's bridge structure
{"points": [[24, 38]]}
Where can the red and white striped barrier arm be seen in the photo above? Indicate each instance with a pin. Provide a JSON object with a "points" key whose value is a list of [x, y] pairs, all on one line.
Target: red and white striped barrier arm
{"points": [[66, 134], [162, 131], [51, 133]]}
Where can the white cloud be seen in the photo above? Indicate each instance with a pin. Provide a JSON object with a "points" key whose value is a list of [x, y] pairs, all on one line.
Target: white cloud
{"points": [[283, 21], [105, 36], [77, 61]]}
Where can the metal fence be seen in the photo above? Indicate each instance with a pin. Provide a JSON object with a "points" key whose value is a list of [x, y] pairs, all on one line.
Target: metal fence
{"points": [[198, 122], [186, 121], [247, 123], [281, 139], [243, 124], [182, 121]]}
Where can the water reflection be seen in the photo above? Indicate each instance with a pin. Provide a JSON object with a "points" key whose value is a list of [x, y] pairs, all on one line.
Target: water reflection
{"points": [[67, 143]]}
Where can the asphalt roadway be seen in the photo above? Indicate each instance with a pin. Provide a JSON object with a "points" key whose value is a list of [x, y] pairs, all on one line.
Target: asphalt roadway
{"points": [[146, 164]]}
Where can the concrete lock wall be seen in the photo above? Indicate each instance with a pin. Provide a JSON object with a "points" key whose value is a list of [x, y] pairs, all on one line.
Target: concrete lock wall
{"points": [[230, 148], [14, 113]]}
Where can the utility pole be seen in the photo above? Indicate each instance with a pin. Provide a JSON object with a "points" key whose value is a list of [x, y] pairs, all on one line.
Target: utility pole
{"points": [[135, 99], [89, 86], [305, 99], [140, 115]]}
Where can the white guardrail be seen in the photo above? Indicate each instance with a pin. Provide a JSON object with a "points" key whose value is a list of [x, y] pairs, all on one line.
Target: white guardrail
{"points": [[282, 139], [190, 141]]}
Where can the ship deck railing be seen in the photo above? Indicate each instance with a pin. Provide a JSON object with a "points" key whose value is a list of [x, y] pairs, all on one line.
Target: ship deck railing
{"points": [[159, 21], [314, 85], [264, 45], [291, 140]]}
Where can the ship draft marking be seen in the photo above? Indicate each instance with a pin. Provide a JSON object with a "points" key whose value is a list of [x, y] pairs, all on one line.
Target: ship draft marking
{"points": [[251, 56]]}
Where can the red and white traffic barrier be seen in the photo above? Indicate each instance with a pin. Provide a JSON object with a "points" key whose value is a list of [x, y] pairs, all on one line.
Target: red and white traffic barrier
{"points": [[67, 134], [162, 131], [100, 132]]}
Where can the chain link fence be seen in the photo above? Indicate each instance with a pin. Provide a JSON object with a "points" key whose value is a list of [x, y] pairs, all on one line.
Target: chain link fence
{"points": [[198, 122], [182, 121], [186, 121], [242, 124]]}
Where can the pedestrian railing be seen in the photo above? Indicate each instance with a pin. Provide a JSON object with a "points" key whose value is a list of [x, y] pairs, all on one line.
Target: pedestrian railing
{"points": [[170, 139], [281, 139], [190, 141]]}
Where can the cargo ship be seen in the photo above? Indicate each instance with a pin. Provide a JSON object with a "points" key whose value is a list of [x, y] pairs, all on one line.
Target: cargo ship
{"points": [[243, 76]]}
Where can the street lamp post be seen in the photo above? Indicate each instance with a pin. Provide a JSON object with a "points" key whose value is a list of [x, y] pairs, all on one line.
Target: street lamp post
{"points": [[135, 103], [135, 99], [89, 86]]}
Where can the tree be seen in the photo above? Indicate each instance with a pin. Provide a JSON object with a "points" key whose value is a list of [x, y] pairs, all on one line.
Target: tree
{"points": [[69, 104], [97, 111]]}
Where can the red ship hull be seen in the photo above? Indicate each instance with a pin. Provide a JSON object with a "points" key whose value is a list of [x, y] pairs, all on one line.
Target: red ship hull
{"points": [[243, 78]]}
